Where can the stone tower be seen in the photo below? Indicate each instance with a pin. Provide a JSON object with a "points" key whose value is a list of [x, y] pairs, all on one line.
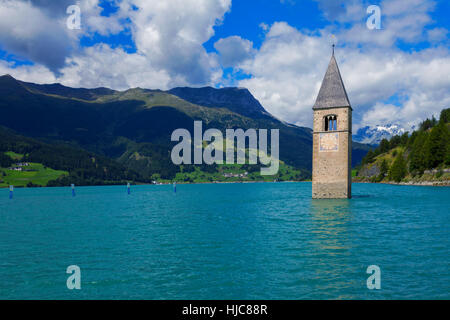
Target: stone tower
{"points": [[332, 138]]}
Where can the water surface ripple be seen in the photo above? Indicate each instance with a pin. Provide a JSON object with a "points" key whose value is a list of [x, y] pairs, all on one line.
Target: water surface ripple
{"points": [[225, 241]]}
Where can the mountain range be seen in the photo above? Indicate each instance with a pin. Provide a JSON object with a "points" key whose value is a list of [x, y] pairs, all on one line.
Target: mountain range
{"points": [[374, 134], [133, 127]]}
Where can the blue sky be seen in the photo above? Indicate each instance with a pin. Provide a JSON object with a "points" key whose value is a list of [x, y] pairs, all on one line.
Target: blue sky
{"points": [[238, 21], [278, 49], [305, 14]]}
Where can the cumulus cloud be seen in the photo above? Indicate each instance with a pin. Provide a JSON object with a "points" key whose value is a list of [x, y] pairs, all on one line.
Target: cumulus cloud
{"points": [[332, 9], [401, 20], [234, 50], [32, 73], [27, 31], [289, 67], [287, 71], [37, 30], [172, 33], [383, 82], [91, 13], [168, 35], [437, 35], [420, 81], [52, 7], [102, 66], [93, 21]]}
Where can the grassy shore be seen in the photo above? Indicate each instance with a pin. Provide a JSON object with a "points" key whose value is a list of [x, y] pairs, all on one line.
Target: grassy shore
{"points": [[32, 174], [36, 175]]}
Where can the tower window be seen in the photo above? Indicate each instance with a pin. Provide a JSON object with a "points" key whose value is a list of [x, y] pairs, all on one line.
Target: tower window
{"points": [[330, 123]]}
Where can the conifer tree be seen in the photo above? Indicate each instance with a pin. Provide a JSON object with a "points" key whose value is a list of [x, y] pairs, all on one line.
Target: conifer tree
{"points": [[417, 156], [384, 146], [447, 155], [398, 170], [435, 146], [445, 116], [368, 157], [384, 169]]}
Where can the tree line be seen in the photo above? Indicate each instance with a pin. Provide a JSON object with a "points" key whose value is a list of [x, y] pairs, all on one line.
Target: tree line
{"points": [[425, 149], [84, 167]]}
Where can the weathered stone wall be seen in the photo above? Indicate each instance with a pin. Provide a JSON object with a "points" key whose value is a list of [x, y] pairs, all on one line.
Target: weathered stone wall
{"points": [[343, 121], [332, 169]]}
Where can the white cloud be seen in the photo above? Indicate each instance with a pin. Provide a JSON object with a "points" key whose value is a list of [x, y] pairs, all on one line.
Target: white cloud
{"points": [[264, 26], [93, 21], [234, 50], [403, 20], [114, 68], [288, 69], [384, 83], [30, 73], [437, 34], [37, 30], [168, 35], [29, 32], [333, 9], [171, 34]]}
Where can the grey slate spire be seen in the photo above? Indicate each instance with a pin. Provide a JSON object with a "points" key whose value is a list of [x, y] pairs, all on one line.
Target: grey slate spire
{"points": [[332, 93]]}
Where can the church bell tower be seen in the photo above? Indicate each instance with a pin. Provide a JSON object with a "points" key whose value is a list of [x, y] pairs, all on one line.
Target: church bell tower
{"points": [[332, 138]]}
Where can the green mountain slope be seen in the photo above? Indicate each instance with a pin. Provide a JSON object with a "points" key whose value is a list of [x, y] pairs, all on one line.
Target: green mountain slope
{"points": [[33, 174], [134, 126], [57, 164], [423, 156]]}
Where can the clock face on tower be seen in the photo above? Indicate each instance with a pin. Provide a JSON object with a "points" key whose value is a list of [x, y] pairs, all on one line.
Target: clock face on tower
{"points": [[329, 142]]}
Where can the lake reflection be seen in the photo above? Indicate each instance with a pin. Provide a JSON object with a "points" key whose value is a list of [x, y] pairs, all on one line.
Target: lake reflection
{"points": [[331, 241], [330, 219]]}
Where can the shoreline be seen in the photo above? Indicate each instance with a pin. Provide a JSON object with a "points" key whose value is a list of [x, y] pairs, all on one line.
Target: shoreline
{"points": [[156, 184], [412, 183]]}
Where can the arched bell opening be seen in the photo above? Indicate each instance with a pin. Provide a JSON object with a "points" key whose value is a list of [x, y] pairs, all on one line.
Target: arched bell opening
{"points": [[330, 123]]}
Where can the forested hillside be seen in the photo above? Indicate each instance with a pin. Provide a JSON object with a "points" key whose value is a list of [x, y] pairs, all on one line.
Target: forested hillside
{"points": [[84, 168], [103, 136], [423, 155]]}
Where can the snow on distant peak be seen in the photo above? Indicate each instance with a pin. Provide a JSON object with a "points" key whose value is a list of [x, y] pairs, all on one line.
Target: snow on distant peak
{"points": [[374, 134]]}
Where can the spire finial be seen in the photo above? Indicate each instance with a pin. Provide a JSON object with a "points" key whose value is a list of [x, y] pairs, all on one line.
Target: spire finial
{"points": [[333, 42]]}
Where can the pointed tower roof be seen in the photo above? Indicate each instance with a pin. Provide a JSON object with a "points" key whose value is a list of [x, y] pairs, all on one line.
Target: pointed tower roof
{"points": [[332, 93]]}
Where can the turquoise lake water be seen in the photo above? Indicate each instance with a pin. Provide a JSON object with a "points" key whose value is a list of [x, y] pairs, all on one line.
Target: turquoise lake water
{"points": [[225, 241]]}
